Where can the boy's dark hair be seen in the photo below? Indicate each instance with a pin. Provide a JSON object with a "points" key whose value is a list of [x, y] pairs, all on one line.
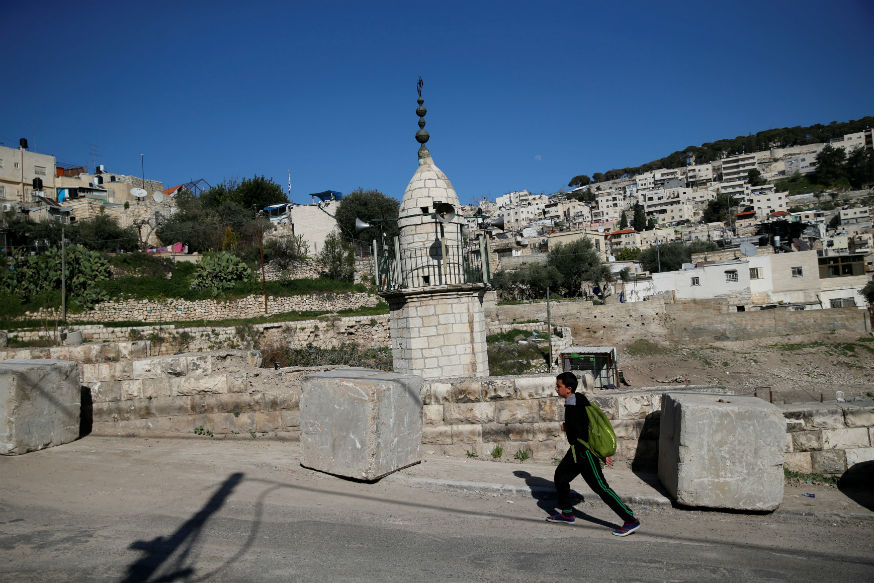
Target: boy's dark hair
{"points": [[568, 379]]}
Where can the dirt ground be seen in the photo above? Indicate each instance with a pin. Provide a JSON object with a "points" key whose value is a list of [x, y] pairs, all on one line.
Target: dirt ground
{"points": [[794, 368]]}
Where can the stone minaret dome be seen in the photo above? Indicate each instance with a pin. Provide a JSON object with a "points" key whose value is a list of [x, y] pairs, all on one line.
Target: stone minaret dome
{"points": [[434, 279], [430, 248]]}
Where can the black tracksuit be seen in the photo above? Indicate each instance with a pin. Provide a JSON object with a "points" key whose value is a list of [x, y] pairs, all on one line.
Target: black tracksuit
{"points": [[579, 460]]}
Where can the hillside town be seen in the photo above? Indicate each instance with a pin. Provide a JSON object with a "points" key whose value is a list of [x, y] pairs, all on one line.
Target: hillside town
{"points": [[767, 248]]}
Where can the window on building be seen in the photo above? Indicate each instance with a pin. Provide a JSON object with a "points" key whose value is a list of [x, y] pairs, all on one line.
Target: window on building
{"points": [[796, 271], [39, 170], [694, 281], [731, 275], [842, 303], [756, 273]]}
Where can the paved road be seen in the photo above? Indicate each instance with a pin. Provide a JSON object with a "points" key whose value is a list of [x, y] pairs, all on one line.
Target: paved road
{"points": [[107, 509]]}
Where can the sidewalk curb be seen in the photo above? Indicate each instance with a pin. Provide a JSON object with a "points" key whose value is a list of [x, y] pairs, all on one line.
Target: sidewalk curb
{"points": [[489, 488]]}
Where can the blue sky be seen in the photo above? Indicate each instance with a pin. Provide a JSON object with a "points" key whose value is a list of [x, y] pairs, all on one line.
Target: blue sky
{"points": [[520, 95]]}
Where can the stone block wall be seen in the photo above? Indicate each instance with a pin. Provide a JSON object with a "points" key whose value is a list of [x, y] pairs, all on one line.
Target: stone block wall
{"points": [[827, 438], [438, 334], [365, 331], [656, 319], [215, 394], [176, 310], [524, 413]]}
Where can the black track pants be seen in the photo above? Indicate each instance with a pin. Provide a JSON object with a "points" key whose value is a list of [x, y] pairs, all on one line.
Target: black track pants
{"points": [[590, 469]]}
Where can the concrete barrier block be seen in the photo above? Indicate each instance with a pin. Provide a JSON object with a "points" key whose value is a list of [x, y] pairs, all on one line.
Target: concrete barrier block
{"points": [[39, 404], [360, 423], [722, 451]]}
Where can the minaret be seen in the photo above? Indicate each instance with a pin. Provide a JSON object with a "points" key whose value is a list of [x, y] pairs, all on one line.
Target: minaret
{"points": [[436, 282]]}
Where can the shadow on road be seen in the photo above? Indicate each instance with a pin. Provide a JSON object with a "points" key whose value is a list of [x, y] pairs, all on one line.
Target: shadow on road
{"points": [[543, 491], [179, 545], [856, 484]]}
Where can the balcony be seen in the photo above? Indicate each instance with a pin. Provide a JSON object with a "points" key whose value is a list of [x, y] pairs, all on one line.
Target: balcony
{"points": [[440, 265]]}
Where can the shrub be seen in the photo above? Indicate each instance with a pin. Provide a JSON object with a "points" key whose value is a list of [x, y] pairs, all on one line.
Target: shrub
{"points": [[218, 272]]}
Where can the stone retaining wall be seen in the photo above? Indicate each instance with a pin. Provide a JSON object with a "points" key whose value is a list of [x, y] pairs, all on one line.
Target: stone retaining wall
{"points": [[827, 438], [655, 319], [174, 310], [326, 332], [471, 417]]}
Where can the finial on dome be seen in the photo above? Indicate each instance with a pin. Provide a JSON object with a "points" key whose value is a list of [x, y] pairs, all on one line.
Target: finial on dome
{"points": [[422, 135]]}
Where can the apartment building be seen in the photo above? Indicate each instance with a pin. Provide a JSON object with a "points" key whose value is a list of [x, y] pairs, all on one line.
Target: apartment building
{"points": [[18, 169], [735, 168], [856, 216], [850, 142], [699, 175]]}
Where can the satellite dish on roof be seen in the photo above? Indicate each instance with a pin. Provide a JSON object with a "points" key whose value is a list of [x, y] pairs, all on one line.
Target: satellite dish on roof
{"points": [[138, 192], [158, 196], [749, 249]]}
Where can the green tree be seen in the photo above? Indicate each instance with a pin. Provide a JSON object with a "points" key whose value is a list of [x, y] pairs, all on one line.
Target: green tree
{"points": [[530, 281], [194, 223], [664, 257], [623, 222], [580, 180], [371, 206], [755, 177], [830, 165], [719, 209], [858, 168], [627, 254], [578, 262], [639, 219], [259, 192], [598, 177], [337, 258]]}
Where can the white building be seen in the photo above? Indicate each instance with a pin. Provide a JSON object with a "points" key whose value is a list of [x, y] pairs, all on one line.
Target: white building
{"points": [[735, 168]]}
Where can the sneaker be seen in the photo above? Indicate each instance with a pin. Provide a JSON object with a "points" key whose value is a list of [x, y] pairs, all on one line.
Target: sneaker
{"points": [[564, 518], [627, 528]]}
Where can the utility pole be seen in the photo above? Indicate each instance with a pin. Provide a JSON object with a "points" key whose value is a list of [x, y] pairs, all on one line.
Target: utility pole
{"points": [[549, 335], [63, 280], [261, 254]]}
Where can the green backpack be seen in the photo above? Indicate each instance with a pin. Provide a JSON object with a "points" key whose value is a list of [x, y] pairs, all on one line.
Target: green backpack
{"points": [[602, 439]]}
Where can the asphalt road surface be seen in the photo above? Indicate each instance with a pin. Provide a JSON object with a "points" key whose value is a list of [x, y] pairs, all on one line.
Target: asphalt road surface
{"points": [[147, 510]]}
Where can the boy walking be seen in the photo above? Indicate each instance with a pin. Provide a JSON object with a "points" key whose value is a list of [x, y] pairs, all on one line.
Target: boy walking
{"points": [[580, 460]]}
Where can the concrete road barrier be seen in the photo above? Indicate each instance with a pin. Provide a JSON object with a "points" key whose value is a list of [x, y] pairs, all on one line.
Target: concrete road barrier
{"points": [[39, 404], [722, 451], [360, 423]]}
